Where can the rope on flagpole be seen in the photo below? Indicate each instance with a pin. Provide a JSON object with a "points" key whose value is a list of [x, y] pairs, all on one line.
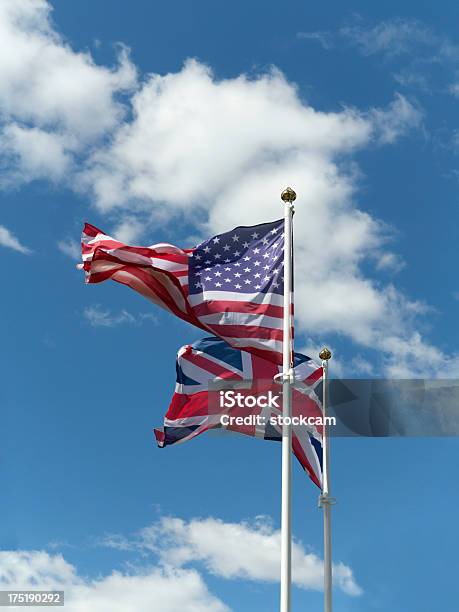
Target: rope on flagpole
{"points": [[325, 501], [288, 196]]}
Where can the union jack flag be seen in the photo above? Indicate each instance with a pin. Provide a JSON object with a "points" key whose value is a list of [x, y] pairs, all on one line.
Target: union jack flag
{"points": [[230, 285], [195, 408]]}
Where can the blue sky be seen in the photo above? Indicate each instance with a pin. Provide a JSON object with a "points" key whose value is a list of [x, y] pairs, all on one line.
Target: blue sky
{"points": [[169, 123]]}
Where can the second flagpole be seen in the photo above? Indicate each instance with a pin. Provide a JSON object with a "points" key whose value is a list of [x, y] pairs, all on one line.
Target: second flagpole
{"points": [[325, 500], [288, 197]]}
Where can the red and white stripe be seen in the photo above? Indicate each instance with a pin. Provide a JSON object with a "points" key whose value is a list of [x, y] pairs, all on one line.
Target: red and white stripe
{"points": [[252, 322]]}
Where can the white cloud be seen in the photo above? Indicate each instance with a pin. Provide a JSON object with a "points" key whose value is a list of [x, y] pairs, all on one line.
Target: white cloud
{"points": [[100, 317], [395, 120], [219, 152], [392, 37], [7, 239], [193, 137], [128, 229], [413, 357], [324, 38], [391, 262], [408, 77], [249, 551], [245, 551], [164, 590], [423, 56], [43, 80], [212, 153], [71, 248], [33, 153], [53, 100], [362, 366]]}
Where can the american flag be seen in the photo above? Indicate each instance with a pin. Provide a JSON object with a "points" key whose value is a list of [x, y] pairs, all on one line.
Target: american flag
{"points": [[230, 285], [195, 407]]}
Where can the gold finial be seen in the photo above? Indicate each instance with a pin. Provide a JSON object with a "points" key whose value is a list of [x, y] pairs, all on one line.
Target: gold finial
{"points": [[288, 195], [325, 354]]}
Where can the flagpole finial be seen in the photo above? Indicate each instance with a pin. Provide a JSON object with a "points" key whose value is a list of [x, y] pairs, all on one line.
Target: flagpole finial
{"points": [[288, 195], [325, 354]]}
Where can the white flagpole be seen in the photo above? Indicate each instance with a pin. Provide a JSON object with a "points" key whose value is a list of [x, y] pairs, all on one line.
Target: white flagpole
{"points": [[288, 196], [325, 500]]}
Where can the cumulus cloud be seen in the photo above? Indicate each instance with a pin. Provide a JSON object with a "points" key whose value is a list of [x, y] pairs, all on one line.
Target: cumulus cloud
{"points": [[194, 137], [219, 151], [45, 81], [103, 317], [246, 550], [9, 240], [33, 153], [53, 100], [167, 590], [211, 153]]}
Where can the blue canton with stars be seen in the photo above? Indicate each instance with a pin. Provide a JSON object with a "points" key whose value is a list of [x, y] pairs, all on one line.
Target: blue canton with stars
{"points": [[244, 260]]}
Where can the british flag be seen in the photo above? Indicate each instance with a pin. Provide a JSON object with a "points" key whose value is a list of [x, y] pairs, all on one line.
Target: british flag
{"points": [[230, 285], [195, 407]]}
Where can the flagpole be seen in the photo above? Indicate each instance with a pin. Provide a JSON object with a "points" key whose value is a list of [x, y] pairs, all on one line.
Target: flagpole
{"points": [[288, 196], [325, 501]]}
